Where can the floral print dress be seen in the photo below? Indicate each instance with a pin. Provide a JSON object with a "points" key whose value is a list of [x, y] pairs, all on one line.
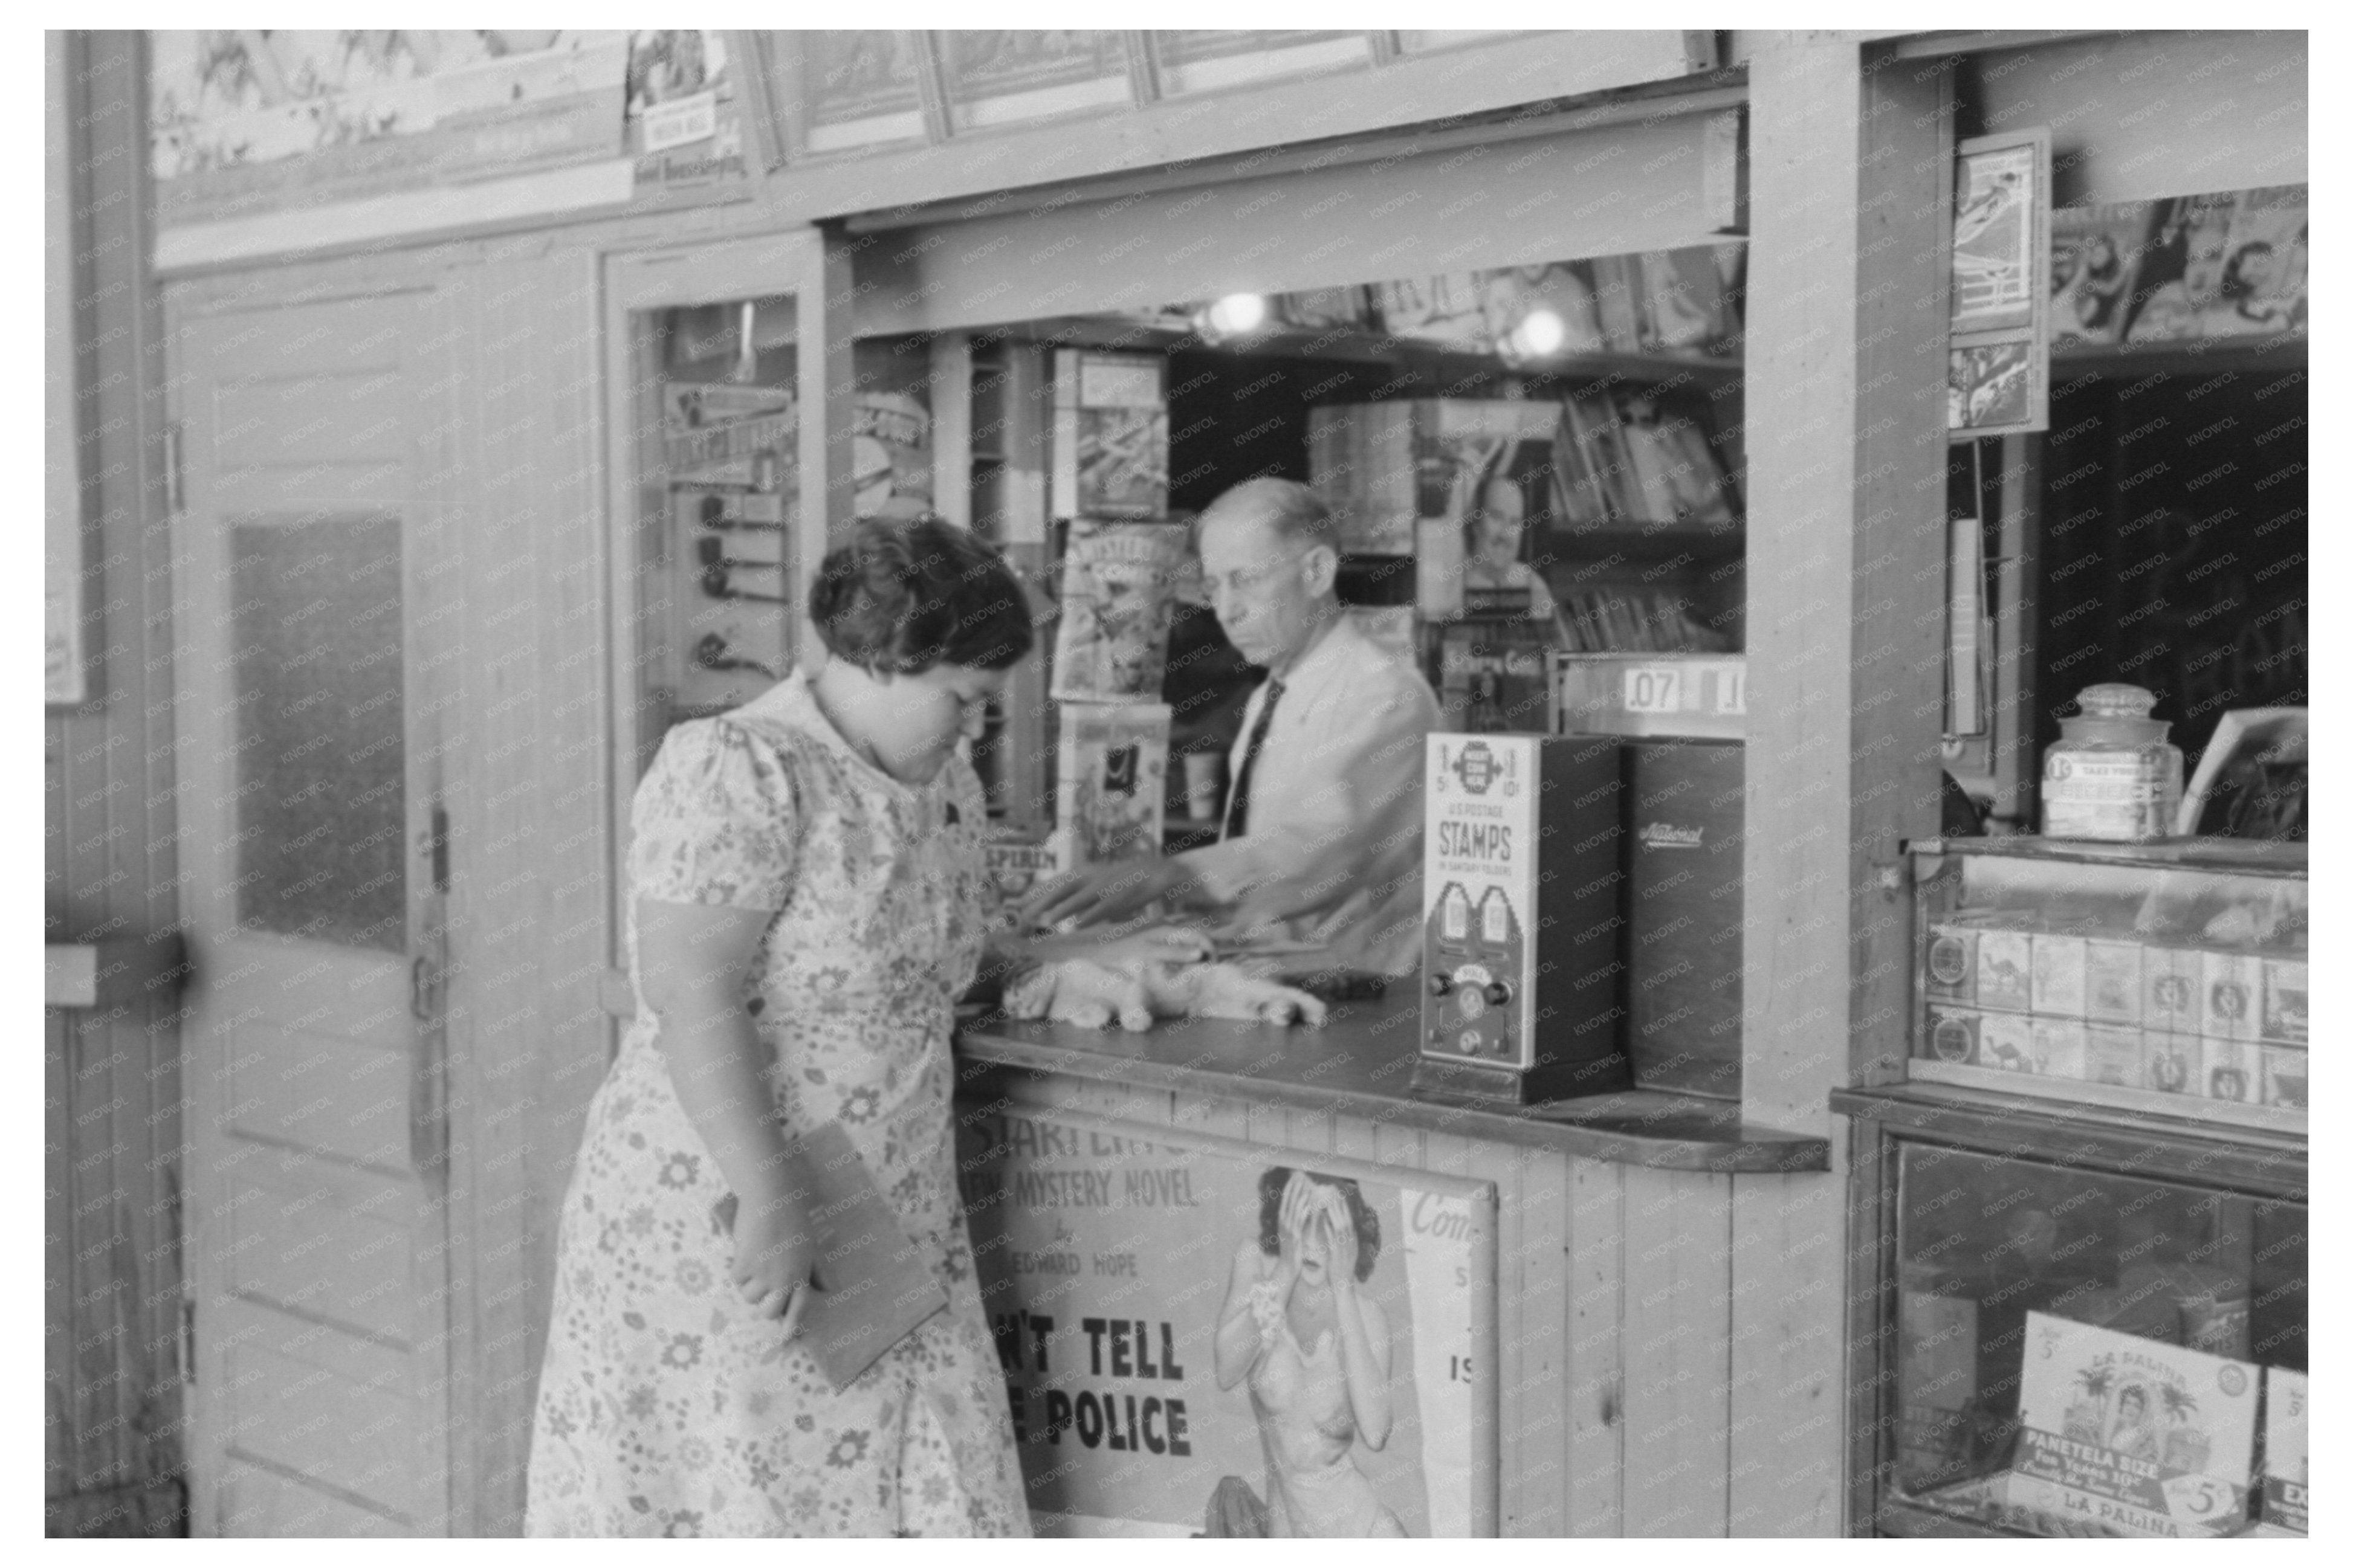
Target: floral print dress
{"points": [[666, 1408]]}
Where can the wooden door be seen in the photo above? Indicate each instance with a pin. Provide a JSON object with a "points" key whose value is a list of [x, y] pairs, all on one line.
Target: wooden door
{"points": [[314, 660]]}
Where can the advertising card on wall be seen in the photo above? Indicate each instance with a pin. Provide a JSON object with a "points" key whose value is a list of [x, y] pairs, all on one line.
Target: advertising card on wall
{"points": [[1202, 1337], [1998, 368]]}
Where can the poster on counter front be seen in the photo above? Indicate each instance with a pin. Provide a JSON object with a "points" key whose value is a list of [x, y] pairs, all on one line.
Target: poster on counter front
{"points": [[1205, 1338]]}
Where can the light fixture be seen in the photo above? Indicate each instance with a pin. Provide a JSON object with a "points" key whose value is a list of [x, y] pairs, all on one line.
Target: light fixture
{"points": [[1539, 335], [1234, 316]]}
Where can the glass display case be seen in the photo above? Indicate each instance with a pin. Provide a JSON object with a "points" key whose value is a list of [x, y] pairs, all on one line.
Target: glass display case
{"points": [[2164, 977], [2079, 1223]]}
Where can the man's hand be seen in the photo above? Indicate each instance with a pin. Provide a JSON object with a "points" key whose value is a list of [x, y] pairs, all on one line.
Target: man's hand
{"points": [[1129, 951], [1108, 894]]}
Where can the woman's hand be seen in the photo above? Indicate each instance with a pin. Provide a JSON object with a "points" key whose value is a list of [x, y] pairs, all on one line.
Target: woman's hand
{"points": [[1135, 950], [1291, 1226], [776, 1252], [1339, 1239], [1108, 894]]}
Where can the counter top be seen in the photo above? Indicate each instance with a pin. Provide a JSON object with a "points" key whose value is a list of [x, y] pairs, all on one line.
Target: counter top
{"points": [[1360, 1063]]}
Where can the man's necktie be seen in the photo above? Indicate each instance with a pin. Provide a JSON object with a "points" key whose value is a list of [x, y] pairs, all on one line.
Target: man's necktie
{"points": [[1238, 803]]}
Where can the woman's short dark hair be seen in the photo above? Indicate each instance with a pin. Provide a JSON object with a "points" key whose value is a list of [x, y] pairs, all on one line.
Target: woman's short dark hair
{"points": [[901, 597], [1270, 1215]]}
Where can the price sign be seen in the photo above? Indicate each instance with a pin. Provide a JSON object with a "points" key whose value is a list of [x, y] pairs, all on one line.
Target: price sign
{"points": [[1652, 689], [1731, 689]]}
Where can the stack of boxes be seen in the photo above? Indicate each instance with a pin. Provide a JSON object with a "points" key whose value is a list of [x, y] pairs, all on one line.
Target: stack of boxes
{"points": [[2222, 1025]]}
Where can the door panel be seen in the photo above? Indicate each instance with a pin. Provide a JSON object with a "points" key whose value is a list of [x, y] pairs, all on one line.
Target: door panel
{"points": [[311, 692]]}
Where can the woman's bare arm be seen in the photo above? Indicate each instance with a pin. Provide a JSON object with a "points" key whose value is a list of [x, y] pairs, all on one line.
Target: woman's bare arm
{"points": [[693, 961]]}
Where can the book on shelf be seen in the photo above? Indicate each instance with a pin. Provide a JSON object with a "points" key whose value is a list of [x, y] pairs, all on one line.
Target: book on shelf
{"points": [[1684, 304], [1387, 467], [1118, 591], [1111, 435], [1109, 793], [1625, 619], [1617, 296], [1628, 459]]}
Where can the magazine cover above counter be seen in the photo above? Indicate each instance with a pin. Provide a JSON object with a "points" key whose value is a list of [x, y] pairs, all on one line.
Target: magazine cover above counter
{"points": [[2169, 978]]}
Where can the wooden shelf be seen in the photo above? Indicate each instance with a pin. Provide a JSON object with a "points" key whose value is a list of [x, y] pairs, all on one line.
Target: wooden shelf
{"points": [[1650, 540], [1444, 366], [2275, 353]]}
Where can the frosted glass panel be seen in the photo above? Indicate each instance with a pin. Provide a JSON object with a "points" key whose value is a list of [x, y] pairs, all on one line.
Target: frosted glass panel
{"points": [[316, 633]]}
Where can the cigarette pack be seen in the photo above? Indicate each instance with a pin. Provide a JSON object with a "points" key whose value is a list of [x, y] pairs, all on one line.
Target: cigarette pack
{"points": [[1953, 1033], [2058, 975], [2287, 1464], [2228, 1070], [2112, 1055], [1952, 962], [2228, 1007], [2171, 978], [2170, 1063], [2286, 1074], [2112, 982], [2060, 1046], [2006, 1040], [2005, 969], [2287, 1004]]}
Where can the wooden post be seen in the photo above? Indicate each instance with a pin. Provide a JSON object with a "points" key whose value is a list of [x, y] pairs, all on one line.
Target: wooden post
{"points": [[1849, 178], [952, 428], [828, 382]]}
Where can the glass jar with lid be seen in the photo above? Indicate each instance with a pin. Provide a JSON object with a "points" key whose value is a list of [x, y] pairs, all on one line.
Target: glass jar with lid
{"points": [[2112, 775]]}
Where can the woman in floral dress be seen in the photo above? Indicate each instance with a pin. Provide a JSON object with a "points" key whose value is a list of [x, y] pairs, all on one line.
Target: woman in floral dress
{"points": [[808, 905]]}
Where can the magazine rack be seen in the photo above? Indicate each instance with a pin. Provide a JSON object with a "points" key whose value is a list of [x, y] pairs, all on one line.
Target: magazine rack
{"points": [[2080, 1309]]}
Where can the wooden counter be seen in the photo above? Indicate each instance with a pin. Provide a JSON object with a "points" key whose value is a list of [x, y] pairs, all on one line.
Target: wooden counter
{"points": [[1359, 1064]]}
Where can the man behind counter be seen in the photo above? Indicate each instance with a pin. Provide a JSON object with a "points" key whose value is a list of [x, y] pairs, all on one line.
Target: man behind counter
{"points": [[1322, 837]]}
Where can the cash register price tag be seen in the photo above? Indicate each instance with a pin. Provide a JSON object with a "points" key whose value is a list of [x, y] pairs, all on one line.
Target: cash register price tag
{"points": [[1652, 689], [1731, 689]]}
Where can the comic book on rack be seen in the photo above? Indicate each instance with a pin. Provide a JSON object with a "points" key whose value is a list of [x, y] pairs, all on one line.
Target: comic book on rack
{"points": [[2132, 1436], [1110, 795], [1111, 435], [2096, 255], [1118, 591]]}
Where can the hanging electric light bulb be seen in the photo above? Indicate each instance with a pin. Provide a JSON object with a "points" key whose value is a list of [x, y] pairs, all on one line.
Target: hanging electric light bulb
{"points": [[1234, 316], [1539, 335]]}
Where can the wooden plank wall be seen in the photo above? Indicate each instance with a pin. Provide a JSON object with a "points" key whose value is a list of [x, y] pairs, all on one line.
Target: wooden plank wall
{"points": [[1613, 1307], [531, 826], [112, 1295]]}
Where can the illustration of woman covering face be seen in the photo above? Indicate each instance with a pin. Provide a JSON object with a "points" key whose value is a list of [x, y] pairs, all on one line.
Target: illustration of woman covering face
{"points": [[1315, 1349]]}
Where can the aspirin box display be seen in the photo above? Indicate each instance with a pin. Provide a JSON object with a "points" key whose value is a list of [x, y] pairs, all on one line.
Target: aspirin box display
{"points": [[2058, 986], [2005, 970], [2287, 1003], [2171, 979], [2232, 994], [2112, 982], [2059, 1046]]}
